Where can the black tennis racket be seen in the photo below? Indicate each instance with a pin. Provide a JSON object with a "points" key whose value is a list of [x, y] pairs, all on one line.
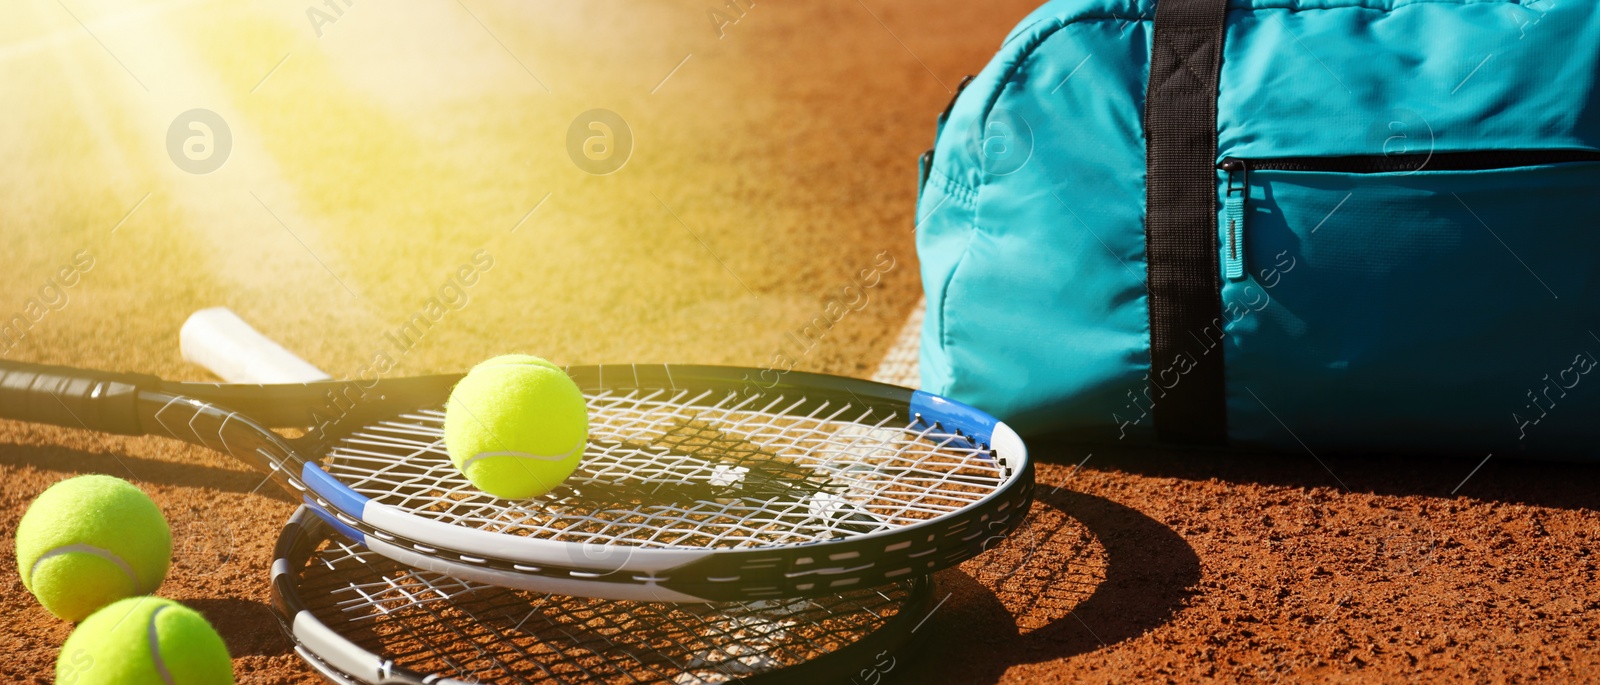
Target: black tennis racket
{"points": [[357, 617], [697, 484]]}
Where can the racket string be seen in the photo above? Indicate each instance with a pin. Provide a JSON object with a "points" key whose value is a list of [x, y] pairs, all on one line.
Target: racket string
{"points": [[664, 471], [431, 624]]}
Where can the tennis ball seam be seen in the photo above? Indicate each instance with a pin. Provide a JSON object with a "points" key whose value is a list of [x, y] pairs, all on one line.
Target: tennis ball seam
{"points": [[154, 638], [523, 455], [83, 548]]}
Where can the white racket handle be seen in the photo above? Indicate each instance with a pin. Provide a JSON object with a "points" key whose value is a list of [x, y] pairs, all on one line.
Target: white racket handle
{"points": [[225, 345]]}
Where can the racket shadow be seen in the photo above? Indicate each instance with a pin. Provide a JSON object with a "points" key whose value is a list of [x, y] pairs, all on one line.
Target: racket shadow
{"points": [[1084, 574], [247, 627], [118, 462]]}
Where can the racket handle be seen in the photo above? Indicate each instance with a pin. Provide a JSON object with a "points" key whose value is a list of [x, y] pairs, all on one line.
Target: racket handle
{"points": [[75, 398]]}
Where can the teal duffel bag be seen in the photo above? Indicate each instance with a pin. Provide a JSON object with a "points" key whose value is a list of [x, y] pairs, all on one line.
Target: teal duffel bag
{"points": [[1343, 224]]}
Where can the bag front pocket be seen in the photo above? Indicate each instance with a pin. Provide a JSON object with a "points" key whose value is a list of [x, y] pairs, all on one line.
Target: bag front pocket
{"points": [[1416, 301]]}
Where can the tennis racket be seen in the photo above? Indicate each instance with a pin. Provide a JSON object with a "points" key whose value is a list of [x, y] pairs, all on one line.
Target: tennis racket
{"points": [[357, 617], [697, 484]]}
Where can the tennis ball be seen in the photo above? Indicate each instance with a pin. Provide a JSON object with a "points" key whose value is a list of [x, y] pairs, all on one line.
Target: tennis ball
{"points": [[89, 541], [516, 425], [144, 641]]}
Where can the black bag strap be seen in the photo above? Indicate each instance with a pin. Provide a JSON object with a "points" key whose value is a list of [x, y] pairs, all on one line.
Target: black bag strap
{"points": [[1180, 121]]}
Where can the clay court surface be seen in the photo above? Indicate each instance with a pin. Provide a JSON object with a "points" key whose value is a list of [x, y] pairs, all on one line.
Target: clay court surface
{"points": [[770, 166]]}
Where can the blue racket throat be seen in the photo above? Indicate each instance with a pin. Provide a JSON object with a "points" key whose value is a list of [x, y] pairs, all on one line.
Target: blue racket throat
{"points": [[333, 522], [341, 496]]}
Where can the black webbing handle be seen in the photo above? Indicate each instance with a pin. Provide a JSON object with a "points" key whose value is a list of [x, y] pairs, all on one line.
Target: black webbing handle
{"points": [[76, 398], [1186, 325]]}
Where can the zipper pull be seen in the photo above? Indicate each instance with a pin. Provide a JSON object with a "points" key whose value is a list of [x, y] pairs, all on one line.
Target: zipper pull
{"points": [[1233, 216]]}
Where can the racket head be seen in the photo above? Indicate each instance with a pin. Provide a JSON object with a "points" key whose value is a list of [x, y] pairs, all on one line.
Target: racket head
{"points": [[358, 617], [698, 485]]}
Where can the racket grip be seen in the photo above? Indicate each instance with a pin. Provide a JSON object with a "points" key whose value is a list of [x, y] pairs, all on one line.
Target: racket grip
{"points": [[75, 398]]}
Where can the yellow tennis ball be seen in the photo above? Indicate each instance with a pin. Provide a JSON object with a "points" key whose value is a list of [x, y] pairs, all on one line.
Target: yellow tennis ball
{"points": [[89, 541], [144, 641], [516, 425]]}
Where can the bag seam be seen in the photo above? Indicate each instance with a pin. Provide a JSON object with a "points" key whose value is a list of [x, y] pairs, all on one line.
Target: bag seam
{"points": [[964, 194]]}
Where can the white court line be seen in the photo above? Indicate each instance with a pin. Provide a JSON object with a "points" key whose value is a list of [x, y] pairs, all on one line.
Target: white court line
{"points": [[900, 365]]}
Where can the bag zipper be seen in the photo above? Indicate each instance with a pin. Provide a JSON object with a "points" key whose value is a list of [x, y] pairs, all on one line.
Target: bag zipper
{"points": [[1238, 193], [1233, 206]]}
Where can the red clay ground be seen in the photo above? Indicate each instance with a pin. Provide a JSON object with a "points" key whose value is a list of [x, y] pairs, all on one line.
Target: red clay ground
{"points": [[787, 148]]}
